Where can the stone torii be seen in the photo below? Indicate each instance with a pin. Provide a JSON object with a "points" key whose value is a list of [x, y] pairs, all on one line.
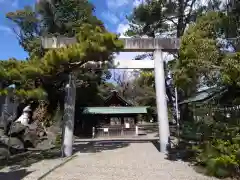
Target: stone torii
{"points": [[155, 45]]}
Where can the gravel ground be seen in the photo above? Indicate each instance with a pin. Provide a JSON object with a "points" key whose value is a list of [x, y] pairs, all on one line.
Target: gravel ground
{"points": [[135, 161]]}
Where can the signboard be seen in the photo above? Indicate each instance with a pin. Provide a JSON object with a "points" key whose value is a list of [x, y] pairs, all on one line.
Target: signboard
{"points": [[127, 125], [105, 130]]}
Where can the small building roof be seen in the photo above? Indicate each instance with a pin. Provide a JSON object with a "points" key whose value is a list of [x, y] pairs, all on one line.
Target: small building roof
{"points": [[116, 110], [120, 99], [205, 95]]}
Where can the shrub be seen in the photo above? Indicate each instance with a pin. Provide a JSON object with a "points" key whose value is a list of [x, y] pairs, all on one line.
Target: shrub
{"points": [[218, 146], [222, 166], [220, 157]]}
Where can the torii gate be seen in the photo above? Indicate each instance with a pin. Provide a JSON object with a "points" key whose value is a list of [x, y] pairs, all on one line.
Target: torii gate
{"points": [[155, 45]]}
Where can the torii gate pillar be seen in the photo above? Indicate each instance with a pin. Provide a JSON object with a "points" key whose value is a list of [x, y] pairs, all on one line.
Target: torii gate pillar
{"points": [[162, 110], [158, 46]]}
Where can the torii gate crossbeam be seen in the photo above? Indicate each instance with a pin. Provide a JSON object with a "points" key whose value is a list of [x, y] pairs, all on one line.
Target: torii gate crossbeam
{"points": [[156, 45]]}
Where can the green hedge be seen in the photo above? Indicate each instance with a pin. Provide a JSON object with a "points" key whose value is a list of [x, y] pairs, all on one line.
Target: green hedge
{"points": [[218, 146]]}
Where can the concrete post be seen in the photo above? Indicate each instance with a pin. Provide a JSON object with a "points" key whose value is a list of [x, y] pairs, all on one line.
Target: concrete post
{"points": [[93, 132], [177, 112], [69, 112], [162, 111], [136, 130]]}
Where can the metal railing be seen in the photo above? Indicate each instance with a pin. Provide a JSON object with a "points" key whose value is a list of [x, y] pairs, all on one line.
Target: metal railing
{"points": [[113, 131]]}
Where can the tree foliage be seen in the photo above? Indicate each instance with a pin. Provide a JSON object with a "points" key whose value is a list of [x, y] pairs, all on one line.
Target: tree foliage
{"points": [[155, 18], [48, 69], [203, 56], [146, 89], [165, 19], [205, 60], [199, 55], [57, 63], [50, 17]]}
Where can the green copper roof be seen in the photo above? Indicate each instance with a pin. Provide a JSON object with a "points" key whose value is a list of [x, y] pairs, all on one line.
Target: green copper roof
{"points": [[205, 95], [116, 110]]}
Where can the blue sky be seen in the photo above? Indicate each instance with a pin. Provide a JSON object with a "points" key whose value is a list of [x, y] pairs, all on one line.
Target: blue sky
{"points": [[111, 12]]}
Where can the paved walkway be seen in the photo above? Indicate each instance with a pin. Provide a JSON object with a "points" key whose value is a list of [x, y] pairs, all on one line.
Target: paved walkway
{"points": [[123, 161], [32, 172]]}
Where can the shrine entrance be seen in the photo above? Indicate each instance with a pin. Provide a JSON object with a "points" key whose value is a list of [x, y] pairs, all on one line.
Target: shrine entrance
{"points": [[155, 45], [116, 117]]}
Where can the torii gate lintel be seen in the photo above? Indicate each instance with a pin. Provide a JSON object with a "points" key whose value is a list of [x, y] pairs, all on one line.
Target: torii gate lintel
{"points": [[130, 44]]}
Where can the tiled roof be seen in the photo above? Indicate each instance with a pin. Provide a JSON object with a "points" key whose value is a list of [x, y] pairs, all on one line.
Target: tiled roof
{"points": [[205, 95]]}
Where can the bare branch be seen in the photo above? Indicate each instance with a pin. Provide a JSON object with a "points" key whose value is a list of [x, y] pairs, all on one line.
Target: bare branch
{"points": [[187, 3], [187, 19], [171, 19], [18, 35]]}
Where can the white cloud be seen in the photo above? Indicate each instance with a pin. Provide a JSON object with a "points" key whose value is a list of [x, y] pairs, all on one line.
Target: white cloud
{"points": [[13, 3], [138, 2], [6, 30], [121, 29], [112, 18], [122, 15], [114, 4]]}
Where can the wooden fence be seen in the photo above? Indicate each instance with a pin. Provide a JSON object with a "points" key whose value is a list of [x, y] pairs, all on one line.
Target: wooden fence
{"points": [[121, 131]]}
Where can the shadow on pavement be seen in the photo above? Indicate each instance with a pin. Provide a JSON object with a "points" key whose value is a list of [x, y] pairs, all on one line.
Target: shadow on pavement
{"points": [[99, 146], [14, 175], [181, 151], [27, 159], [156, 145]]}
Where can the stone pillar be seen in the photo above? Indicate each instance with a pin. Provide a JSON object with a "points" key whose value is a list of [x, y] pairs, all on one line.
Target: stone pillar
{"points": [[136, 130], [162, 111], [69, 116], [177, 113]]}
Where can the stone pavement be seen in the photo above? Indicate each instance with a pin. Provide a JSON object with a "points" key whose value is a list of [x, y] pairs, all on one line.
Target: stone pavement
{"points": [[32, 172], [32, 165], [122, 161]]}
